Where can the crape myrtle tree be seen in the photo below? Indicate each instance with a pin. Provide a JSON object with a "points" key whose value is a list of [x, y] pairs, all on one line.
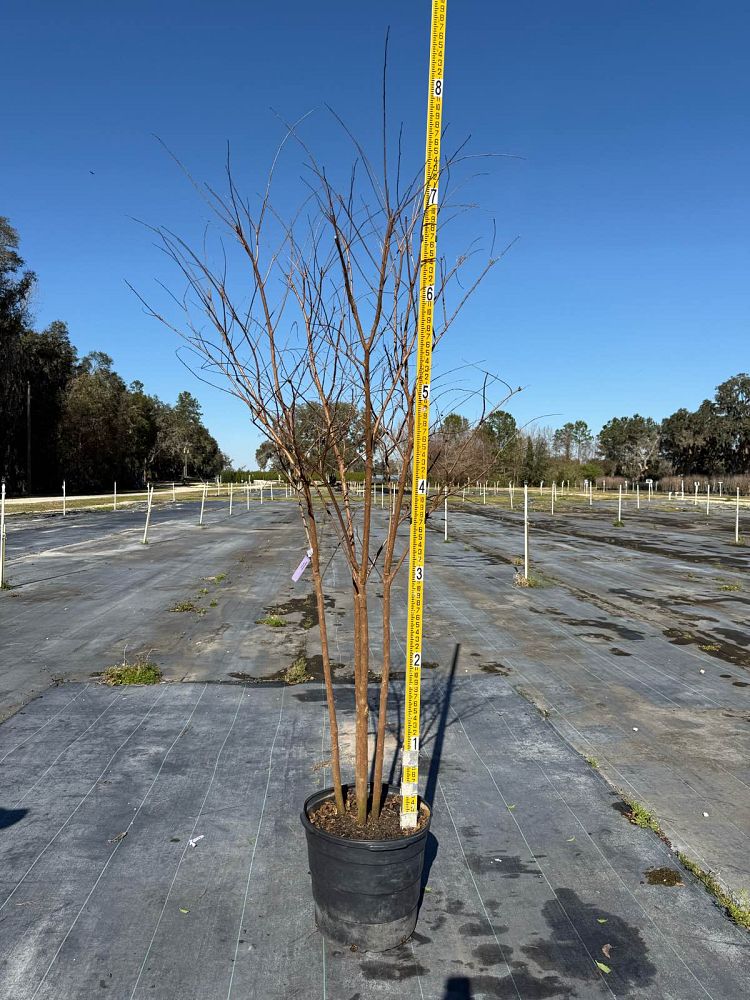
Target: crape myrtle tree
{"points": [[311, 319]]}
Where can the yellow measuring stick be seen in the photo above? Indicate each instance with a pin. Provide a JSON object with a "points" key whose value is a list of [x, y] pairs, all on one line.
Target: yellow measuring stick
{"points": [[427, 263]]}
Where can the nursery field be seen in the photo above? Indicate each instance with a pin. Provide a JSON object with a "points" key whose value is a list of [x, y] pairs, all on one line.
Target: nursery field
{"points": [[562, 720]]}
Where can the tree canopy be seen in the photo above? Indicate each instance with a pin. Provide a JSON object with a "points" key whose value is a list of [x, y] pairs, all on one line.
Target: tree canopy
{"points": [[630, 444], [714, 439]]}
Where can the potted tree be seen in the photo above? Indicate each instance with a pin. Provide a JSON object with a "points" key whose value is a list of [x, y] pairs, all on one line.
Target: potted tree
{"points": [[311, 320]]}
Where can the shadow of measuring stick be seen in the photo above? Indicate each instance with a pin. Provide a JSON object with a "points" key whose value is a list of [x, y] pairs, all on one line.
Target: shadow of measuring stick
{"points": [[435, 708], [434, 713]]}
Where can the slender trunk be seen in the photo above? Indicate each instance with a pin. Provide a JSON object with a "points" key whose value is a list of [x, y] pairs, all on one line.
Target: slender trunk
{"points": [[377, 780], [325, 654], [361, 669], [389, 575]]}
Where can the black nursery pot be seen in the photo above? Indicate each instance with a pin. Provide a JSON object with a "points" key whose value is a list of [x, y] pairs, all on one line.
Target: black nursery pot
{"points": [[366, 892]]}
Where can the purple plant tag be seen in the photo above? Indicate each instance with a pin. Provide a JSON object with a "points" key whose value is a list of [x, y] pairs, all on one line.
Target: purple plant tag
{"points": [[302, 567]]}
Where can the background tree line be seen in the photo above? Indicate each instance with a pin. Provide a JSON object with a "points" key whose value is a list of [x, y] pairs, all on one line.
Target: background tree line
{"points": [[712, 441], [86, 425]]}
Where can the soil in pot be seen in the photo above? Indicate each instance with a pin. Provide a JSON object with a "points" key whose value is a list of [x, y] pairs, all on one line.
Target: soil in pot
{"points": [[386, 827]]}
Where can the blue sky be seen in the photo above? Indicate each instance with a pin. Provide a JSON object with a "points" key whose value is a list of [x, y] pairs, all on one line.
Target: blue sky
{"points": [[628, 287]]}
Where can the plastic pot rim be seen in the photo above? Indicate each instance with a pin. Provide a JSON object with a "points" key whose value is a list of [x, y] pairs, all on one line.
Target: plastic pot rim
{"points": [[395, 844]]}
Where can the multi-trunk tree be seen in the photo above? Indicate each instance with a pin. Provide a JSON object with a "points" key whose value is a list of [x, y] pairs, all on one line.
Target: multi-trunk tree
{"points": [[310, 318]]}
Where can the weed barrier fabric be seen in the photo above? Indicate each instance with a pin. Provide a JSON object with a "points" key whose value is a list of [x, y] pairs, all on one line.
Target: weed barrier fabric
{"points": [[150, 845], [86, 593], [637, 646]]}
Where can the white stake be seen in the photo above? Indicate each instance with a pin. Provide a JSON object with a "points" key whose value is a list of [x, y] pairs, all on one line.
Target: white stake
{"points": [[63, 498], [247, 493], [2, 533], [271, 485], [510, 493], [203, 504], [736, 517], [696, 495], [445, 514], [708, 499], [261, 492], [619, 504], [231, 495], [174, 495], [638, 496], [591, 494], [114, 496], [526, 531], [148, 517], [552, 511], [484, 493]]}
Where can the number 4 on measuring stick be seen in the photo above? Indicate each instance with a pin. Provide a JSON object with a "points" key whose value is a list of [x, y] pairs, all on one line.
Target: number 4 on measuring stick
{"points": [[422, 486]]}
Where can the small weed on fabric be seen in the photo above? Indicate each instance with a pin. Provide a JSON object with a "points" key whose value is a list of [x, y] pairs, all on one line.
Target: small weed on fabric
{"points": [[188, 606], [140, 672], [273, 621]]}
